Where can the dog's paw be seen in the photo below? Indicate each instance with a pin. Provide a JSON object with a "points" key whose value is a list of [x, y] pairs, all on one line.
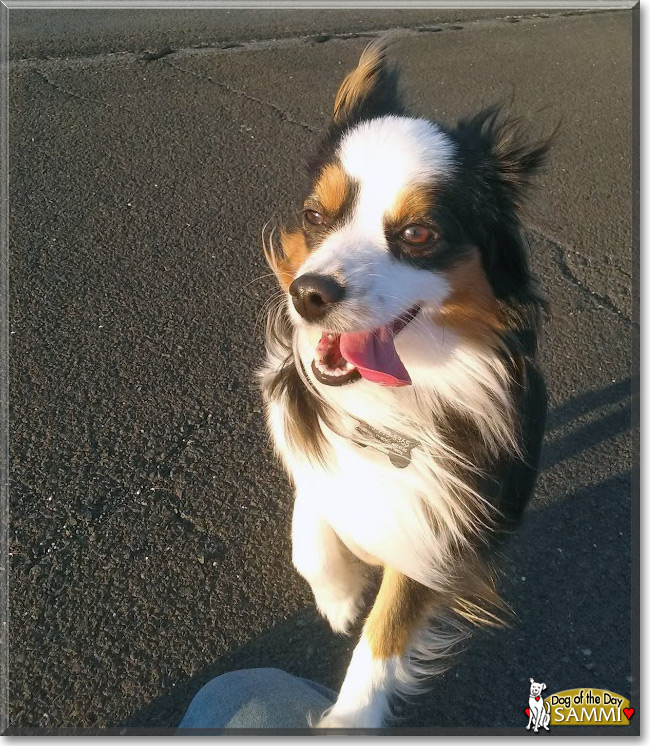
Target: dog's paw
{"points": [[334, 719], [341, 613]]}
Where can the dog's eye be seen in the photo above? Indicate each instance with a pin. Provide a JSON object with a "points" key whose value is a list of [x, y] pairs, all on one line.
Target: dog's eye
{"points": [[313, 217], [417, 235]]}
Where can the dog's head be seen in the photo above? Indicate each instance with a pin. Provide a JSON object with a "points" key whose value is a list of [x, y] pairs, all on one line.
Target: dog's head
{"points": [[536, 688], [405, 220]]}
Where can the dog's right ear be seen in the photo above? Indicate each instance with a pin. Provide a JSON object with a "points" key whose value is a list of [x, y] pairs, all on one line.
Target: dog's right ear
{"points": [[532, 681], [370, 90]]}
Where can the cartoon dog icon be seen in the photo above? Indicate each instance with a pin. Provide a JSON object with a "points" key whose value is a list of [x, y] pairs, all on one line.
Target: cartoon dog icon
{"points": [[538, 715]]}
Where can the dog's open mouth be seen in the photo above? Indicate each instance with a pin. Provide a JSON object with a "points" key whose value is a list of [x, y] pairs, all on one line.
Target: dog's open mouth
{"points": [[344, 358]]}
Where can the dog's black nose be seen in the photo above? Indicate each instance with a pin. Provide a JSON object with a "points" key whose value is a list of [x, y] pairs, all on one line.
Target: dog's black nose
{"points": [[314, 295]]}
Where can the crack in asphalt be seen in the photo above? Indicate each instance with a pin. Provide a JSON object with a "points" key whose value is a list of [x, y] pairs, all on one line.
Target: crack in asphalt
{"points": [[569, 275], [45, 78], [252, 44], [237, 92], [255, 43]]}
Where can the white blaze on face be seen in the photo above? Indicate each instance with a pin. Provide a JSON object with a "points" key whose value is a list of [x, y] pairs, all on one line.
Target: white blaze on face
{"points": [[384, 157]]}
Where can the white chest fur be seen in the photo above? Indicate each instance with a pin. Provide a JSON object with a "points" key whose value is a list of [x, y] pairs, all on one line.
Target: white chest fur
{"points": [[409, 518], [375, 507]]}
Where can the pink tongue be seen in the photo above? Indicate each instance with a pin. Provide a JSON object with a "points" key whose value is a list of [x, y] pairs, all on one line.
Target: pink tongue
{"points": [[375, 357]]}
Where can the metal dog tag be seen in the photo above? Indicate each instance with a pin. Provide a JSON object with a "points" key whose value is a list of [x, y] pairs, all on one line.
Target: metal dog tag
{"points": [[397, 448]]}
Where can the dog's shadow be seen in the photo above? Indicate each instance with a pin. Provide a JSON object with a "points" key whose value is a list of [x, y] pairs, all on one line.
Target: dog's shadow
{"points": [[566, 576]]}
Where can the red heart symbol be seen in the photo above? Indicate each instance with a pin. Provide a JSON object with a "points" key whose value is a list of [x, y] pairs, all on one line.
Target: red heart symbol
{"points": [[536, 699], [527, 711], [629, 711]]}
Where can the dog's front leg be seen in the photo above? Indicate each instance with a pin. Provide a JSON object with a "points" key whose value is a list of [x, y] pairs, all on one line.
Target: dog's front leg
{"points": [[380, 660], [536, 722], [337, 578]]}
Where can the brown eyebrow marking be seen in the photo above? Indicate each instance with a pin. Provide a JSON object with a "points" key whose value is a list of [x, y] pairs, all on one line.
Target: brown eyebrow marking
{"points": [[333, 188], [413, 203]]}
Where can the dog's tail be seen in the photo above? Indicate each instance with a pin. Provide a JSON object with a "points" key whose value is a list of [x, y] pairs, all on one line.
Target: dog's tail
{"points": [[548, 707]]}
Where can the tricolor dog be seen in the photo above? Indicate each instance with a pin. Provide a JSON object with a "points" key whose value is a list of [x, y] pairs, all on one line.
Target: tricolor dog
{"points": [[401, 386]]}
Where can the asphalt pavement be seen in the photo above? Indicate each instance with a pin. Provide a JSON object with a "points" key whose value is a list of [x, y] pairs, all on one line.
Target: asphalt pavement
{"points": [[149, 520]]}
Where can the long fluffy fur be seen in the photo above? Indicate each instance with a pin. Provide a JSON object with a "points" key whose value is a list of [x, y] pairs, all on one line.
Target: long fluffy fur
{"points": [[473, 391], [476, 413]]}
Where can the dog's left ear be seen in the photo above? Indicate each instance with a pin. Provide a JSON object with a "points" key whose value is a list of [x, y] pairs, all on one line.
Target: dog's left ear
{"points": [[502, 156], [370, 90], [515, 158]]}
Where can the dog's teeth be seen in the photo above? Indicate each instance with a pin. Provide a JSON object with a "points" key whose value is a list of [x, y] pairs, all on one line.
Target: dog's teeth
{"points": [[342, 369]]}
